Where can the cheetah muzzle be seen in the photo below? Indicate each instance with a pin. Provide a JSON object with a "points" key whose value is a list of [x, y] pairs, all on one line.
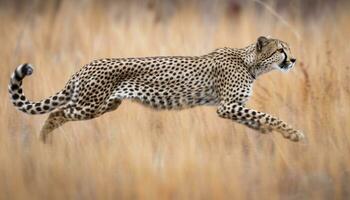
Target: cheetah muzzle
{"points": [[222, 78]]}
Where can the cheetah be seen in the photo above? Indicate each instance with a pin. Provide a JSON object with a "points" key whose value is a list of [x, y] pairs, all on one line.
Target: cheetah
{"points": [[222, 78]]}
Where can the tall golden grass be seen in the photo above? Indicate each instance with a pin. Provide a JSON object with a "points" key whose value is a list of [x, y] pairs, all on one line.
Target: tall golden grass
{"points": [[139, 153]]}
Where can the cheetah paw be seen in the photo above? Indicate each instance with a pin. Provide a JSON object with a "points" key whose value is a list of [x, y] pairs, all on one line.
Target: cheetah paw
{"points": [[295, 135]]}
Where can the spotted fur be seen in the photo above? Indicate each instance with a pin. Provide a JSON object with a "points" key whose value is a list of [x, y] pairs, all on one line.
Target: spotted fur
{"points": [[223, 78]]}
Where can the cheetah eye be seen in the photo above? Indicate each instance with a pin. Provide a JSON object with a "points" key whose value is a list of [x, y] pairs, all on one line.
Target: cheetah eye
{"points": [[280, 50]]}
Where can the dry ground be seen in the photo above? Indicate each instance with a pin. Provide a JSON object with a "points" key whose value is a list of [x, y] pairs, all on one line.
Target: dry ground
{"points": [[138, 153]]}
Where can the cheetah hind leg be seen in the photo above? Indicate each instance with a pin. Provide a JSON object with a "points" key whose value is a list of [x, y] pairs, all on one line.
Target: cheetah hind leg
{"points": [[112, 104], [58, 118], [55, 120]]}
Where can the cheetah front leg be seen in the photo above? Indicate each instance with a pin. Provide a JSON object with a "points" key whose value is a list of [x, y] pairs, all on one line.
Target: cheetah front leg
{"points": [[258, 120], [256, 126]]}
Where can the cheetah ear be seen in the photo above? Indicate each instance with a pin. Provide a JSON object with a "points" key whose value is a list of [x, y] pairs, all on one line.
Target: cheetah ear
{"points": [[261, 42]]}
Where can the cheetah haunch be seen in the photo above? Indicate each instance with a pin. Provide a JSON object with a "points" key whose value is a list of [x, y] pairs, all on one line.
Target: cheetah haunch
{"points": [[223, 78]]}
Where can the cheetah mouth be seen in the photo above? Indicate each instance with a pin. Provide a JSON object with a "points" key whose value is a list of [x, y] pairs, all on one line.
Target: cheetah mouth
{"points": [[285, 65]]}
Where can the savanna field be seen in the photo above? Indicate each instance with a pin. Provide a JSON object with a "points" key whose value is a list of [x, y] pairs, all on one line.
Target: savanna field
{"points": [[139, 153]]}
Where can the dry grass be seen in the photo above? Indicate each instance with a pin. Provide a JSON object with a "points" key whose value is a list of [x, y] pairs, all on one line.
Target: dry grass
{"points": [[138, 153]]}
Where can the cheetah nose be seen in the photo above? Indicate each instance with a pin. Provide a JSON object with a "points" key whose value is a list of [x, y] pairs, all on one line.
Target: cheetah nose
{"points": [[293, 60]]}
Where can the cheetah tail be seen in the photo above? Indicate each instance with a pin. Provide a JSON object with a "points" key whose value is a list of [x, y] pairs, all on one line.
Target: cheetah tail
{"points": [[20, 101]]}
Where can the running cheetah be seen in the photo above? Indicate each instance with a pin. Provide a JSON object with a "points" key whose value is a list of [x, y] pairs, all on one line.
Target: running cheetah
{"points": [[222, 78]]}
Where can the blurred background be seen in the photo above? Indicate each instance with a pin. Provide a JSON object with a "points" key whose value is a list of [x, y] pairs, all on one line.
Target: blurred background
{"points": [[139, 153]]}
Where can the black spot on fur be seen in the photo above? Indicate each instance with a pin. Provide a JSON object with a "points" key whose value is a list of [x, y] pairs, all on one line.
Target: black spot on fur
{"points": [[17, 76], [14, 87], [26, 69], [15, 96]]}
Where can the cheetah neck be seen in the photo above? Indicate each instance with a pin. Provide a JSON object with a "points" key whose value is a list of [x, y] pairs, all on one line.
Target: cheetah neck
{"points": [[248, 56]]}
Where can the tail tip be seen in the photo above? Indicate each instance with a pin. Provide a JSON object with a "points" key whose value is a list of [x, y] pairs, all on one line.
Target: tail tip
{"points": [[27, 69]]}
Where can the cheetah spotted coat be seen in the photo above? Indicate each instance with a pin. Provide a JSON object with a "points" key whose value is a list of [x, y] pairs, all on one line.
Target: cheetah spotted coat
{"points": [[222, 78]]}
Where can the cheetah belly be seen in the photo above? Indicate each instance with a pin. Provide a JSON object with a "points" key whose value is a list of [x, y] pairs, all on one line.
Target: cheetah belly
{"points": [[167, 97]]}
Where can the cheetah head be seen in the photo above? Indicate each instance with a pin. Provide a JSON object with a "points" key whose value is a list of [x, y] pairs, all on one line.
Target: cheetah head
{"points": [[272, 54]]}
